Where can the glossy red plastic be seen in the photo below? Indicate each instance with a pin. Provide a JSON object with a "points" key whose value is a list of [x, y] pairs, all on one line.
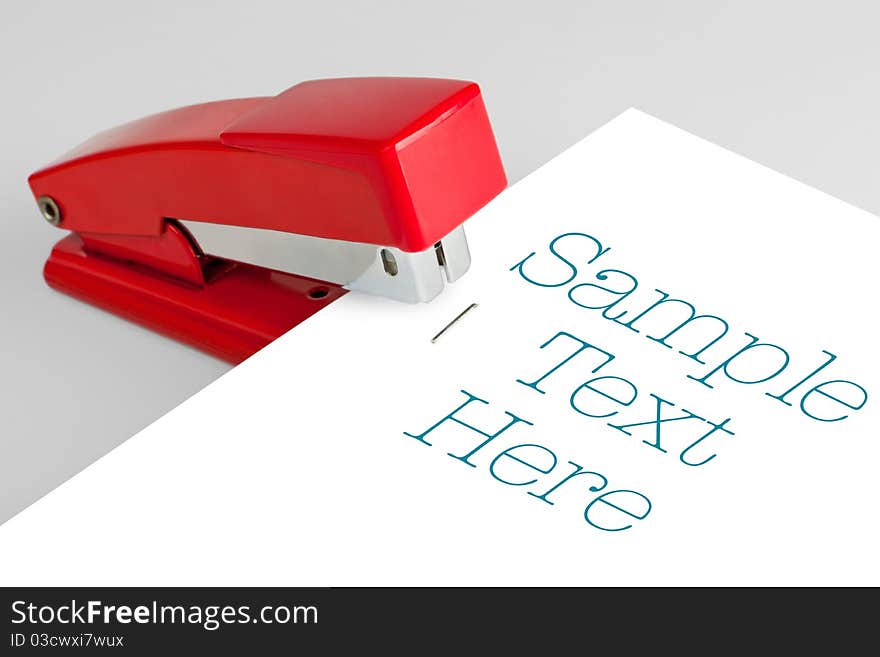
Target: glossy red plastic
{"points": [[239, 311], [388, 161], [174, 252]]}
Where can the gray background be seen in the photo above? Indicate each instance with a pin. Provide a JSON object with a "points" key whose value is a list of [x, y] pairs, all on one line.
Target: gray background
{"points": [[793, 85]]}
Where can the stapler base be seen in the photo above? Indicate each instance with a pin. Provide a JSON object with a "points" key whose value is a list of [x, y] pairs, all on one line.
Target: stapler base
{"points": [[239, 310]]}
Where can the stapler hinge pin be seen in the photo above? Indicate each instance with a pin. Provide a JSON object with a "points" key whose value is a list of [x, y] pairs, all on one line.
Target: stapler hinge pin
{"points": [[49, 209]]}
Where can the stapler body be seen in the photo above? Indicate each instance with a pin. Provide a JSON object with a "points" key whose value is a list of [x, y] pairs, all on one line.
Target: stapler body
{"points": [[226, 224]]}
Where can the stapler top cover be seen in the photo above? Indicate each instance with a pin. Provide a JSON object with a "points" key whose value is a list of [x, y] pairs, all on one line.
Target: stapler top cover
{"points": [[397, 162]]}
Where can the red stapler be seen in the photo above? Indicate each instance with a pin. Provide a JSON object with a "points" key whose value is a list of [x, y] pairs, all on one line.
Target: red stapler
{"points": [[226, 224]]}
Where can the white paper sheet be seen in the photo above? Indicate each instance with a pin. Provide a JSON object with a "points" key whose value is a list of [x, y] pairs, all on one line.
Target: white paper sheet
{"points": [[296, 467]]}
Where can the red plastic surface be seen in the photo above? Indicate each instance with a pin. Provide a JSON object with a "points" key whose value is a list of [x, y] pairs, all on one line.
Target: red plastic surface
{"points": [[388, 161], [239, 311], [175, 252]]}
